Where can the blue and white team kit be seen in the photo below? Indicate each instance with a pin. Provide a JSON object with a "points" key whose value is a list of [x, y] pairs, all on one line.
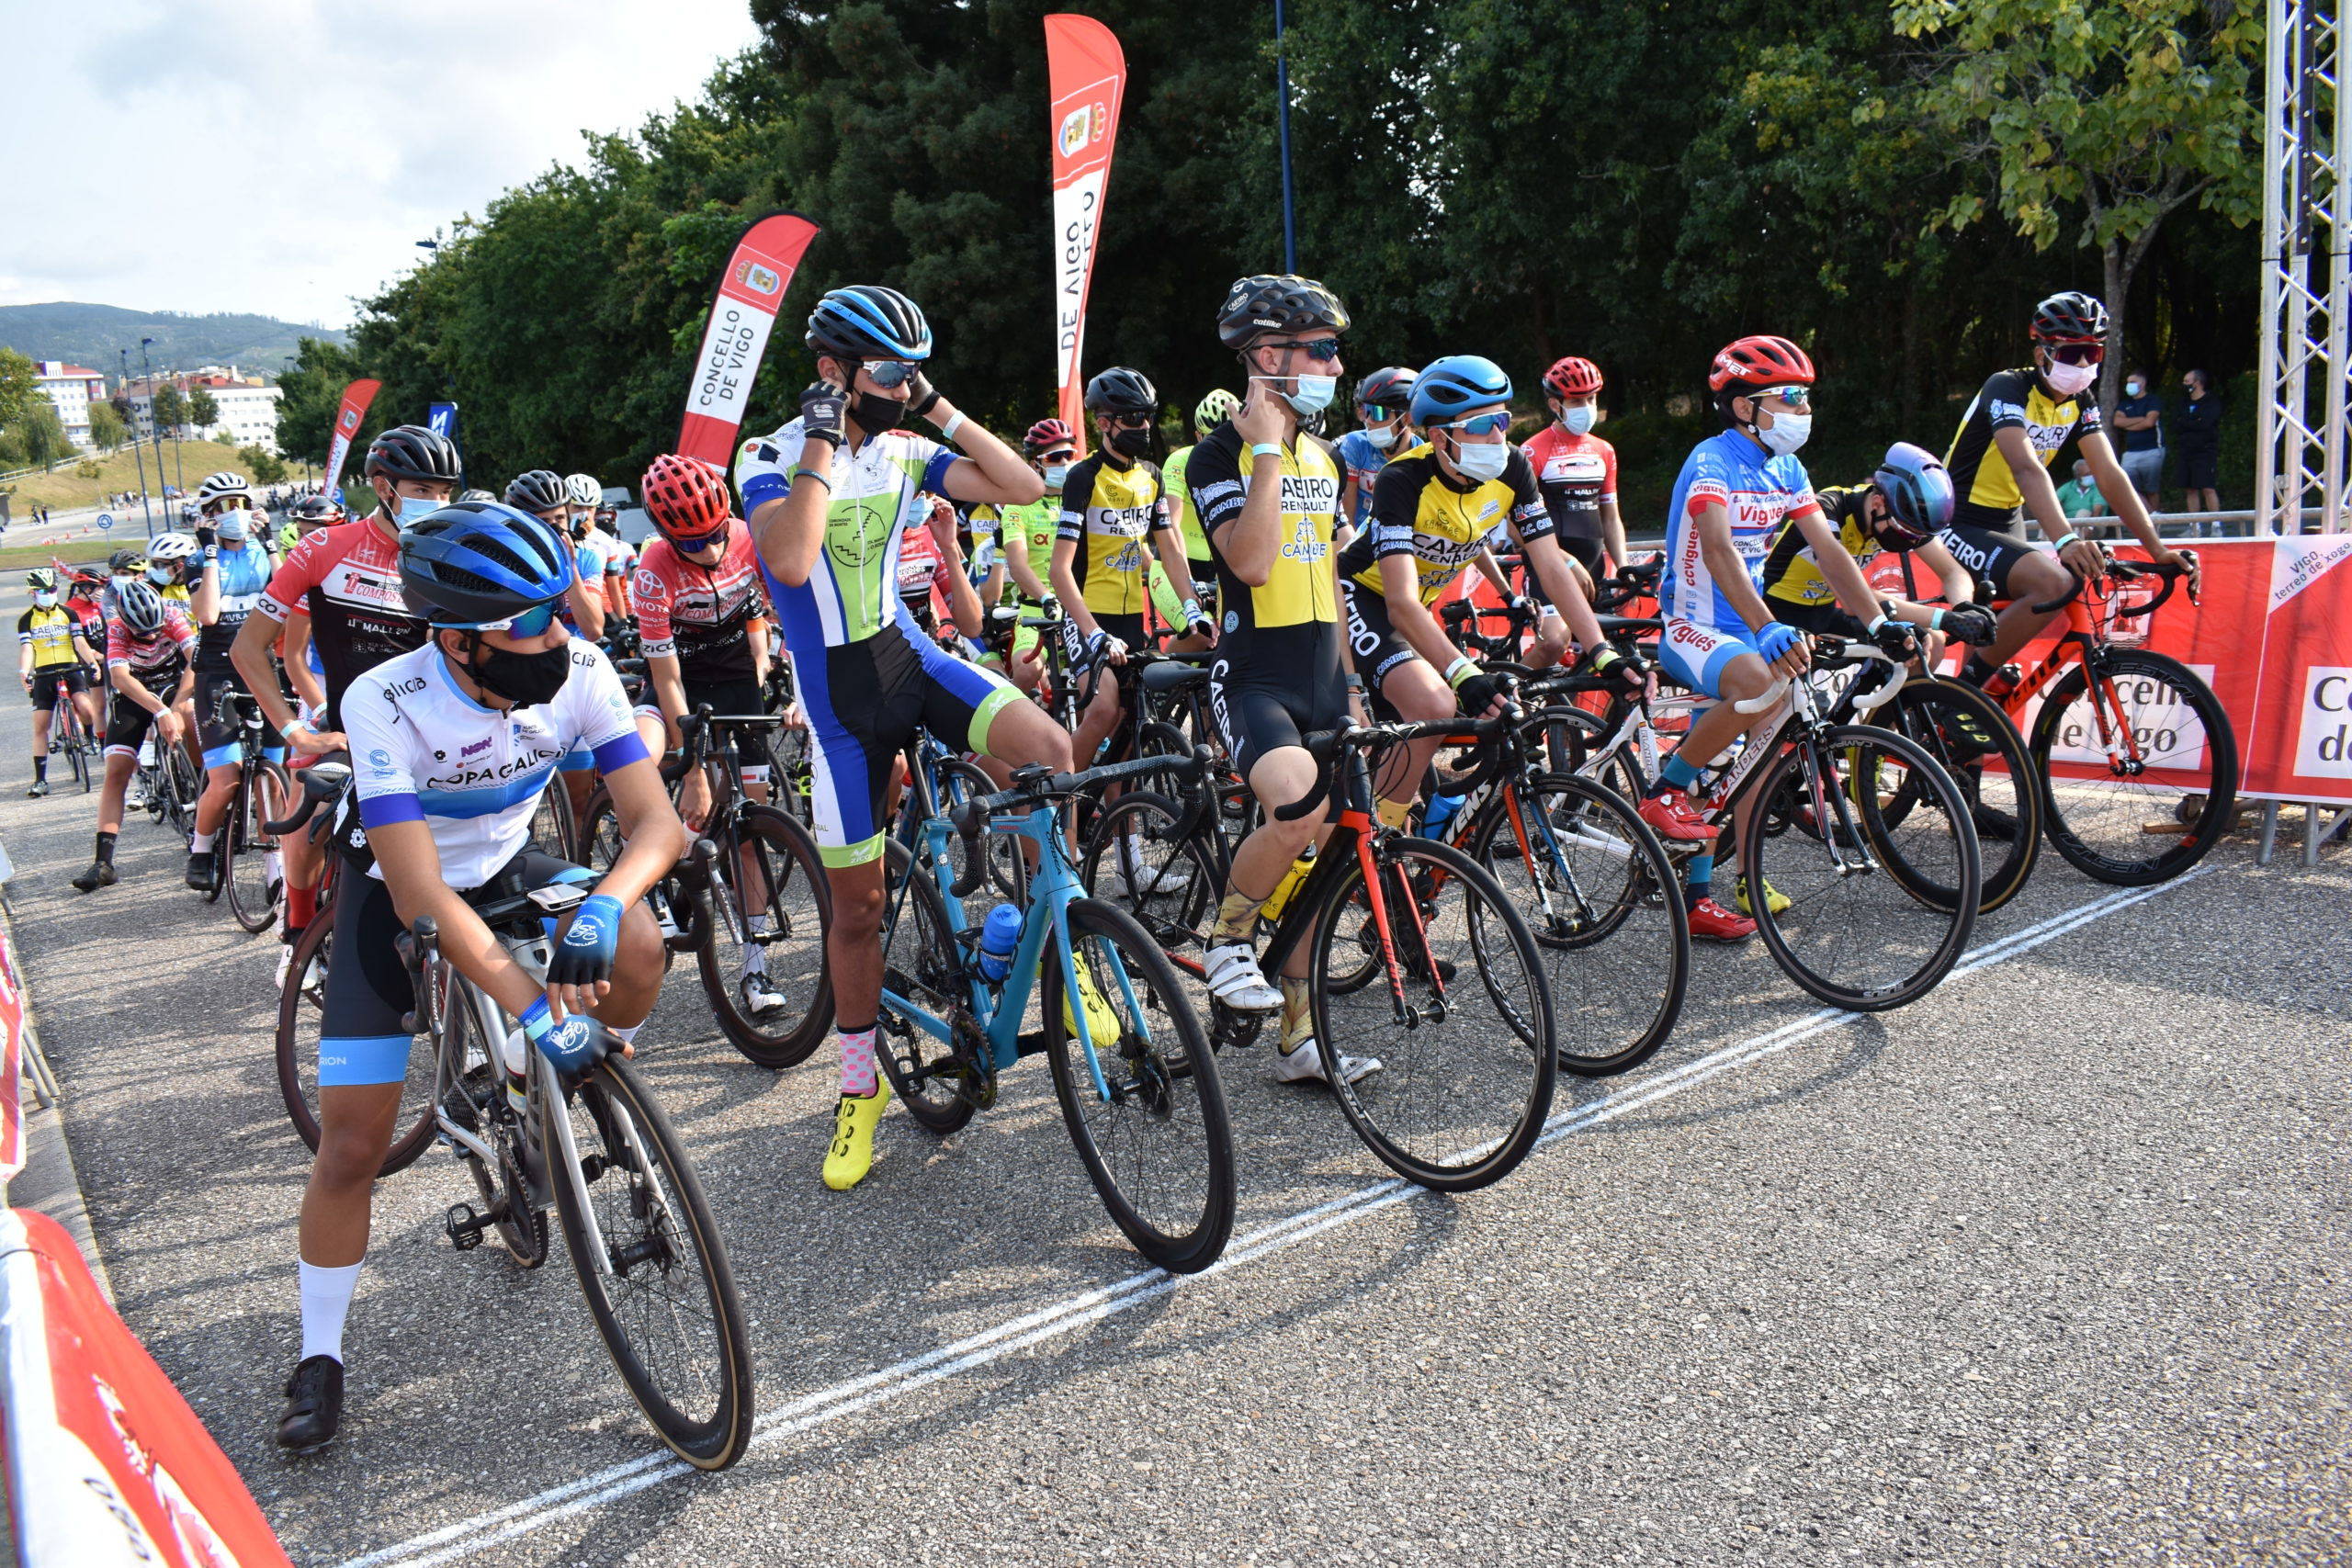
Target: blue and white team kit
{"points": [[1702, 633]]}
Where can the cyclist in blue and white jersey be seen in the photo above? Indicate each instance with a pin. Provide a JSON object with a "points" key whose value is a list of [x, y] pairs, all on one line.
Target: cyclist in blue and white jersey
{"points": [[232, 567], [1385, 404], [451, 746], [830, 496]]}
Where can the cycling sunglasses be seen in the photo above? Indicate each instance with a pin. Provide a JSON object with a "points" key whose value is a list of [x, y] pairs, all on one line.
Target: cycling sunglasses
{"points": [[2076, 353], [1482, 425], [1378, 413], [1322, 350], [533, 622], [1795, 397], [888, 373], [697, 543]]}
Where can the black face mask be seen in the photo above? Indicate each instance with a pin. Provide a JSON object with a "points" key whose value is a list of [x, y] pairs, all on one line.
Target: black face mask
{"points": [[526, 680], [1130, 443], [875, 415]]}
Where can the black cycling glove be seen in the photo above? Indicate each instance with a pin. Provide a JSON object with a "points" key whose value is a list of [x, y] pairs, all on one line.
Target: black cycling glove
{"points": [[921, 396], [1971, 624], [1478, 693], [822, 413], [1893, 639]]}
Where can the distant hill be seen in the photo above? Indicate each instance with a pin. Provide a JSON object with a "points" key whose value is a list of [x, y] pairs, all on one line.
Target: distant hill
{"points": [[91, 335]]}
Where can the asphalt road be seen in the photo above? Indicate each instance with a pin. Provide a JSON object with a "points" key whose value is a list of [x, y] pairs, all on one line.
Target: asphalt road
{"points": [[2048, 1268]]}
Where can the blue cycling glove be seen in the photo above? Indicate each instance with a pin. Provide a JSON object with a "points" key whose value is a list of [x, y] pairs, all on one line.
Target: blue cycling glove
{"points": [[573, 1046], [584, 953], [1775, 640]]}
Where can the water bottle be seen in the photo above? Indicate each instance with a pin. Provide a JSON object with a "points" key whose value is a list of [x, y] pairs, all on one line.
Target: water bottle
{"points": [[1440, 812], [1279, 900], [999, 937]]}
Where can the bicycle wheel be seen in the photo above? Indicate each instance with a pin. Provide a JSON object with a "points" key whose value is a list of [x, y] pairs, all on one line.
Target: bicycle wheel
{"points": [[2150, 813], [187, 785], [551, 823], [939, 1085], [1974, 742], [1604, 906], [1457, 1012], [300, 1010], [1135, 861], [1878, 909], [770, 913], [1143, 1101], [650, 1261], [469, 1086], [1008, 854], [255, 871], [599, 836]]}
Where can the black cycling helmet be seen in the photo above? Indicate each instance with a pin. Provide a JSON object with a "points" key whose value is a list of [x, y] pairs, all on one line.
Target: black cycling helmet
{"points": [[1282, 305], [866, 321], [1918, 494], [41, 579], [2070, 318], [315, 509], [474, 561], [1390, 389], [541, 489], [127, 562], [412, 452], [1122, 390]]}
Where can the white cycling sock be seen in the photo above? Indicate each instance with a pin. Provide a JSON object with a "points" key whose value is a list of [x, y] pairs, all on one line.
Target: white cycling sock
{"points": [[326, 1297], [199, 843], [755, 957], [273, 869], [629, 1034]]}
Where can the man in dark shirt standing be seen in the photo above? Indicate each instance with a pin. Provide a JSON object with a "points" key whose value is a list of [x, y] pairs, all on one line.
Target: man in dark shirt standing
{"points": [[2143, 442], [2196, 428]]}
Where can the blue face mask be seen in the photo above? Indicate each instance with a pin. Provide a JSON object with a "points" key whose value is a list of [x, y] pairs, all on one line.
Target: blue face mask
{"points": [[44, 598], [161, 576], [1314, 393], [416, 509]]}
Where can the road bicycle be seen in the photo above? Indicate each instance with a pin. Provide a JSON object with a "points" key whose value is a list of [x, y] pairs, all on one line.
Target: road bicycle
{"points": [[246, 862], [168, 782], [72, 739], [1137, 1085]]}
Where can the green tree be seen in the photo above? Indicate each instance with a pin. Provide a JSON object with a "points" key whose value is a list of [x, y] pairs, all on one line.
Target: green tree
{"points": [[18, 387], [310, 393], [170, 410], [40, 435], [264, 466], [203, 409], [107, 430], [2122, 111]]}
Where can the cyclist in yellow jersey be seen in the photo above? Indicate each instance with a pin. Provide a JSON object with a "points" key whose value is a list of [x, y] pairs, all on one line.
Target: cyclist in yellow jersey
{"points": [[51, 656], [1114, 511], [1999, 462], [1269, 500]]}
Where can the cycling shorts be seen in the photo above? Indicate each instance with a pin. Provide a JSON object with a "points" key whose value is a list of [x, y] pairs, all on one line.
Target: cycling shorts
{"points": [[1695, 655], [740, 695], [1988, 555], [72, 677], [1267, 697], [1128, 630], [368, 992], [218, 740], [1374, 643], [864, 701], [127, 722]]}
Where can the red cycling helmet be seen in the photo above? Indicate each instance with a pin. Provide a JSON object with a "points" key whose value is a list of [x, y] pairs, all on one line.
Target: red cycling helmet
{"points": [[1759, 362], [1573, 378], [1046, 434], [687, 499]]}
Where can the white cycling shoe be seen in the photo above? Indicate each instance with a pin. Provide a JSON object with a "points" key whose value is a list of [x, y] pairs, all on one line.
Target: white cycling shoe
{"points": [[760, 995], [1303, 1063], [1235, 980]]}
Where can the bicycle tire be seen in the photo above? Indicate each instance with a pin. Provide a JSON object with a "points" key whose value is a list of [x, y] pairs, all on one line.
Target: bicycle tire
{"points": [[938, 1091], [297, 1053], [1456, 1148], [1940, 872], [598, 833], [551, 818], [1162, 1063], [522, 1224], [1175, 910], [1605, 908], [785, 851], [2080, 835], [1963, 731], [247, 843], [659, 1232]]}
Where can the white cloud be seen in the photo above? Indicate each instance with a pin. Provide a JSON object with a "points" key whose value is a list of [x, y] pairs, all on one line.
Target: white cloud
{"points": [[284, 156]]}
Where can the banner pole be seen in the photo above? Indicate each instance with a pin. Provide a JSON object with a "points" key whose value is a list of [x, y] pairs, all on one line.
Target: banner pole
{"points": [[1281, 115]]}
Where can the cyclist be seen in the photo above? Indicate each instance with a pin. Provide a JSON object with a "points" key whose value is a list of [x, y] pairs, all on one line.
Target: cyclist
{"points": [[1901, 509], [51, 656], [452, 746], [306, 516], [1434, 508], [1735, 492], [1385, 405], [620, 560], [1207, 414], [149, 648], [1577, 472], [1269, 499], [829, 496], [1026, 534], [230, 576], [2000, 460], [585, 607], [171, 560], [338, 594], [1114, 515]]}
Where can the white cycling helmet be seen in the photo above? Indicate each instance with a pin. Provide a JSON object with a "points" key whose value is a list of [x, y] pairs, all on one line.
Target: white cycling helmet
{"points": [[583, 489], [171, 547], [220, 487]]}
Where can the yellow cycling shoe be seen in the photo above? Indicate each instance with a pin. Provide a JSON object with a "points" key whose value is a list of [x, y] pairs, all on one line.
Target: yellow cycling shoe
{"points": [[1102, 1027], [851, 1154], [1778, 900]]}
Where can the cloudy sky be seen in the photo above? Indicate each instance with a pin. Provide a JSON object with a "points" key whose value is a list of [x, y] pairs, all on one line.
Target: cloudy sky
{"points": [[283, 156]]}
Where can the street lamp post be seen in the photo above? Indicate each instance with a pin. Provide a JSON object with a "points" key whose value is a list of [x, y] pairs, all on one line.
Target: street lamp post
{"points": [[138, 447], [154, 413]]}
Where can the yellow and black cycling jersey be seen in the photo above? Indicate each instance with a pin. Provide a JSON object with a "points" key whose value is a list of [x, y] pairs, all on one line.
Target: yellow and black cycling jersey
{"points": [[2010, 400], [1792, 572], [49, 634], [1299, 592], [1112, 514], [1442, 522]]}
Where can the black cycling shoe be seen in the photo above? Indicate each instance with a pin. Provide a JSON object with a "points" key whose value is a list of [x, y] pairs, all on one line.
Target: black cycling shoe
{"points": [[40, 787], [199, 871], [100, 874], [313, 1406]]}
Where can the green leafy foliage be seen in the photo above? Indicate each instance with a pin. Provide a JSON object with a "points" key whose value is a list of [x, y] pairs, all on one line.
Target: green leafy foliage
{"points": [[203, 409], [107, 430]]}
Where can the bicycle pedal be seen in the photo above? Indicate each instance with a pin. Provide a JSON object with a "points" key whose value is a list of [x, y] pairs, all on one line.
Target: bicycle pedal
{"points": [[464, 1226]]}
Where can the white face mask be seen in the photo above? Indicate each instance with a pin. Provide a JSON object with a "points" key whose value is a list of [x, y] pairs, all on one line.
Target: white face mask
{"points": [[1055, 474], [1483, 461], [1381, 436], [1314, 394], [2133, 388], [2067, 380], [1789, 432], [1577, 418]]}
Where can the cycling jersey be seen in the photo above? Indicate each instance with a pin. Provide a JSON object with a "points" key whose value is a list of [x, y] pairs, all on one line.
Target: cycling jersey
{"points": [[166, 649], [919, 564], [1578, 476], [1299, 592], [1442, 522], [49, 634], [2010, 400], [1760, 491], [1364, 462], [1179, 504], [244, 574], [424, 752], [877, 491], [699, 615], [1792, 572], [347, 579], [1111, 513]]}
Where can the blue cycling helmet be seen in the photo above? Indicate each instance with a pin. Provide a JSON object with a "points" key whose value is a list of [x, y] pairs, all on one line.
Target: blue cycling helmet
{"points": [[477, 561], [1918, 492], [1452, 386], [866, 321]]}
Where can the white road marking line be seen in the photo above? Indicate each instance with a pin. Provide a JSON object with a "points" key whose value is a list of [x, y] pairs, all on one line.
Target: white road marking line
{"points": [[487, 1530]]}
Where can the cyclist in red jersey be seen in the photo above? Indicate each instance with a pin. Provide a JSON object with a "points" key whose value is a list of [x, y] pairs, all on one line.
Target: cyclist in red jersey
{"points": [[1576, 472]]}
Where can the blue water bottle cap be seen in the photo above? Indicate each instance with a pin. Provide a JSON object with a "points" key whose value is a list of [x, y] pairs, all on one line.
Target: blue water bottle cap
{"points": [[999, 937]]}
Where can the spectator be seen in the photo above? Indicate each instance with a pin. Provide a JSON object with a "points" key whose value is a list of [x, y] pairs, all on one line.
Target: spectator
{"points": [[2197, 428], [2143, 442], [2079, 496]]}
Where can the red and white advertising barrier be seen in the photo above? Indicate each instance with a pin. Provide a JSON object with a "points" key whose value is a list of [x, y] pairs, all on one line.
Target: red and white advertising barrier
{"points": [[348, 418], [1087, 71], [742, 313], [12, 1061]]}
